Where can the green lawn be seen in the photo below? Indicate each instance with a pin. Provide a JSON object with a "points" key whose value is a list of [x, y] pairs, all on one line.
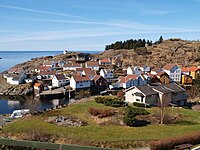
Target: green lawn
{"points": [[95, 133]]}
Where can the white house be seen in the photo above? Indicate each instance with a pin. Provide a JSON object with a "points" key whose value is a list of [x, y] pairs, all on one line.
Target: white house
{"points": [[72, 66], [106, 73], [79, 82], [173, 71], [105, 62], [59, 80], [141, 94], [134, 70], [15, 79], [94, 65], [128, 81], [155, 94]]}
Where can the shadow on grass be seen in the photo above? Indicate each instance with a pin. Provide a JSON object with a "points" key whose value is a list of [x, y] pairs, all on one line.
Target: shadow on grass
{"points": [[140, 123]]}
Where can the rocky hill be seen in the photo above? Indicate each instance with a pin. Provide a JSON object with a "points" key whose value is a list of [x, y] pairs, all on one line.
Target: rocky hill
{"points": [[181, 52]]}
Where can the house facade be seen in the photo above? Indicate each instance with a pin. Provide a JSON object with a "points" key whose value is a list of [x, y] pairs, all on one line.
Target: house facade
{"points": [[94, 65], [59, 80], [106, 73], [195, 72], [186, 79], [174, 72], [156, 94], [136, 70], [15, 79], [79, 82], [105, 62], [99, 82], [163, 77]]}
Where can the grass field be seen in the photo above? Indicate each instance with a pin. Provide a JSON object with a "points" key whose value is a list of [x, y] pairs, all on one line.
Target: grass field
{"points": [[93, 132]]}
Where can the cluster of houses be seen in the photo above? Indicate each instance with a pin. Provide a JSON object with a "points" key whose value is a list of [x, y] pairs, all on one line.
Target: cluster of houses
{"points": [[141, 83]]}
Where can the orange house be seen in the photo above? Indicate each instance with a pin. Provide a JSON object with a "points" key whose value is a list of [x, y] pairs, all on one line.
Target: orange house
{"points": [[194, 72], [187, 79]]}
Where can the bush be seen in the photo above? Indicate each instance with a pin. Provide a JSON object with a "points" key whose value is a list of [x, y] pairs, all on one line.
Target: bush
{"points": [[109, 101], [101, 113], [130, 113], [169, 143], [140, 105]]}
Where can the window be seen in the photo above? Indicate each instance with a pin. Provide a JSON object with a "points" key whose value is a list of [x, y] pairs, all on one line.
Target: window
{"points": [[138, 100]]}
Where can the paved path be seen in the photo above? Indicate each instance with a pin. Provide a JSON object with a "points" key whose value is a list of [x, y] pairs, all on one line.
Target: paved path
{"points": [[143, 148]]}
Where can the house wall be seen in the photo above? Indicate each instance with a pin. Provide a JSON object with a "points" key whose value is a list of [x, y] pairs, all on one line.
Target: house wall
{"points": [[106, 75], [164, 79], [59, 83], [129, 71], [174, 74], [131, 97], [186, 79], [79, 85]]}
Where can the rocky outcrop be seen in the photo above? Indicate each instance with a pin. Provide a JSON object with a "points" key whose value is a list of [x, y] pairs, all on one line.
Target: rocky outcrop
{"points": [[14, 90]]}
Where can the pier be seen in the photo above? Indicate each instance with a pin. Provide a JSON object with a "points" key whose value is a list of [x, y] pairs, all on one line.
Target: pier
{"points": [[55, 93]]}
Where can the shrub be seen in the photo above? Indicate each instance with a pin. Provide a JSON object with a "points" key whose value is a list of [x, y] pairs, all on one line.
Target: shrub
{"points": [[130, 113], [99, 99], [109, 101], [101, 113], [169, 143]]}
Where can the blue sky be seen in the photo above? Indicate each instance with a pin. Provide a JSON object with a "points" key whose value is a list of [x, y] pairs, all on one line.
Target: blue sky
{"points": [[91, 24]]}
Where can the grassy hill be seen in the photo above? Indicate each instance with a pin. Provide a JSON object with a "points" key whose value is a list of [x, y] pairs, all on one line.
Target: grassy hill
{"points": [[107, 135]]}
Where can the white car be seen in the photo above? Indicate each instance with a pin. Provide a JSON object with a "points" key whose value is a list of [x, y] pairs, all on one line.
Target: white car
{"points": [[19, 113]]}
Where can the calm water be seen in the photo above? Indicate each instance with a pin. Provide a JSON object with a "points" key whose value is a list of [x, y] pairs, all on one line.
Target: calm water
{"points": [[9, 59]]}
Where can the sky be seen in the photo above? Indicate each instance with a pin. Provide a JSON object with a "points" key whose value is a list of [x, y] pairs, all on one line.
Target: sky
{"points": [[92, 24]]}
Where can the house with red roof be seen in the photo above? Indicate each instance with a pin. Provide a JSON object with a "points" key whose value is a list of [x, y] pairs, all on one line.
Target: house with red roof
{"points": [[105, 62], [79, 82], [195, 72], [174, 72], [185, 70], [99, 82], [94, 65], [43, 68]]}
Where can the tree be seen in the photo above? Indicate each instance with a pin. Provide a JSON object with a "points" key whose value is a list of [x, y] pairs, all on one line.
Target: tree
{"points": [[160, 40], [131, 112]]}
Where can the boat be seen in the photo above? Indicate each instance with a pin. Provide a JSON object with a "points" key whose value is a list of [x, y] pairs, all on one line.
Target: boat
{"points": [[19, 113]]}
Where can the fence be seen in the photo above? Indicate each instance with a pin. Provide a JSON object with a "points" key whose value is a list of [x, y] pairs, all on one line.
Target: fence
{"points": [[44, 145]]}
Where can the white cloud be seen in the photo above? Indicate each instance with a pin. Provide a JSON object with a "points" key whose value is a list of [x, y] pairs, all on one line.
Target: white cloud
{"points": [[39, 11]]}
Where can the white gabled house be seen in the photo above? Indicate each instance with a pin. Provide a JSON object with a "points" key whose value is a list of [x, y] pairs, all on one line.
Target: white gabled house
{"points": [[15, 79], [79, 82], [134, 70], [106, 73], [59, 80], [173, 71]]}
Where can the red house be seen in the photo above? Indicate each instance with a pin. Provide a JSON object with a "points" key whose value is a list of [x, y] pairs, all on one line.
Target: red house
{"points": [[100, 82]]}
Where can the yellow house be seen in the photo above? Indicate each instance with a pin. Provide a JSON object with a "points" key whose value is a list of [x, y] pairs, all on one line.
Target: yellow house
{"points": [[187, 80], [194, 72]]}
